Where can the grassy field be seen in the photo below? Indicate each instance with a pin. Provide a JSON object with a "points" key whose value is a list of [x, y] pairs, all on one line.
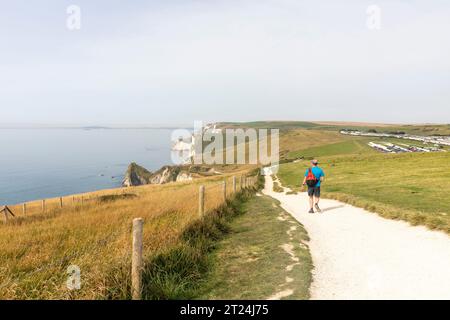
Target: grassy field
{"points": [[37, 248], [427, 129], [301, 139], [353, 146], [282, 125], [256, 242], [412, 187]]}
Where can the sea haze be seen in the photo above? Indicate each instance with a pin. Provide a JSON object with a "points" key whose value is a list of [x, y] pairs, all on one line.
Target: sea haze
{"points": [[45, 163]]}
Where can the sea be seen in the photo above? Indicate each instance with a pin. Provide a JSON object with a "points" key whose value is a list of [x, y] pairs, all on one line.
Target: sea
{"points": [[45, 163]]}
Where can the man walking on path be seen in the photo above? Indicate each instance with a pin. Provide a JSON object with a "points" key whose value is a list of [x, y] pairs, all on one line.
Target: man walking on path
{"points": [[313, 178]]}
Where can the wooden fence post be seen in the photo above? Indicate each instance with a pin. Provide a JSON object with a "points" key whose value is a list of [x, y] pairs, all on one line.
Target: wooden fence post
{"points": [[7, 212], [43, 205], [60, 202], [24, 209], [224, 190], [136, 260], [234, 184], [201, 201]]}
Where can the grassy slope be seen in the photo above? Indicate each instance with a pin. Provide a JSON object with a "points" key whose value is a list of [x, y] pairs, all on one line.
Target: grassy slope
{"points": [[301, 139], [282, 125], [297, 138], [353, 146], [291, 138], [36, 249], [254, 244]]}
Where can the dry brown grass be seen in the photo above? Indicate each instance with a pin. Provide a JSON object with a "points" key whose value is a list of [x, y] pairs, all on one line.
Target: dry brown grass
{"points": [[36, 249]]}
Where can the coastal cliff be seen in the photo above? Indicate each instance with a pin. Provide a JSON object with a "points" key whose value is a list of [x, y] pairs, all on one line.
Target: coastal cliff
{"points": [[137, 175]]}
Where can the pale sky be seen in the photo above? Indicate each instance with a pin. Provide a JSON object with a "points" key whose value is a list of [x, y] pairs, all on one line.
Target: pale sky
{"points": [[173, 62]]}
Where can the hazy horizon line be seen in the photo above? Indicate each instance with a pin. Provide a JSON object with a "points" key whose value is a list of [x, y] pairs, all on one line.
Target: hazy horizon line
{"points": [[184, 125]]}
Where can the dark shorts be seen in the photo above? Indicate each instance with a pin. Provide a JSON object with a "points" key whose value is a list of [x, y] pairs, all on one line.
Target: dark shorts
{"points": [[314, 191]]}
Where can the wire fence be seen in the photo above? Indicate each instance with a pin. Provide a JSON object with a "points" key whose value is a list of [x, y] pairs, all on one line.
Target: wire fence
{"points": [[215, 193], [95, 229]]}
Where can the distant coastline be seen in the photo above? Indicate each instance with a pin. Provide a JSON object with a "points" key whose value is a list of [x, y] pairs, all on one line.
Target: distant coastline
{"points": [[29, 127]]}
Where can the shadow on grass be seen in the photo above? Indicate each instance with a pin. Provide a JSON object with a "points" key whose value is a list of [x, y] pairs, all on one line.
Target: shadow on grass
{"points": [[115, 197]]}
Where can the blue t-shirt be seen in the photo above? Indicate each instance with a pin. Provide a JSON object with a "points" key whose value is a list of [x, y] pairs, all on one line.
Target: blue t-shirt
{"points": [[318, 173]]}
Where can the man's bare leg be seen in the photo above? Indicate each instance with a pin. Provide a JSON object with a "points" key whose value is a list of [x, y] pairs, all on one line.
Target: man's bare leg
{"points": [[311, 202], [317, 199]]}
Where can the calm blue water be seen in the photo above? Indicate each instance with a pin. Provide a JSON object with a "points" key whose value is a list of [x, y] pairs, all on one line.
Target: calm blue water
{"points": [[44, 163]]}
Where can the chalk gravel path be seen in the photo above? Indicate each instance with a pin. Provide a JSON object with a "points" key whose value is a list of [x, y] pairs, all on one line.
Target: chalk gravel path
{"points": [[360, 255]]}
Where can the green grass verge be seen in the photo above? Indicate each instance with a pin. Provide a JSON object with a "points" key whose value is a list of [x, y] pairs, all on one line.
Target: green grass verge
{"points": [[250, 262], [180, 272], [412, 187]]}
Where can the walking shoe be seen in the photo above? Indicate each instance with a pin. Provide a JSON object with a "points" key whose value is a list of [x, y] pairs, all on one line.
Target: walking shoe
{"points": [[311, 210], [317, 208]]}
